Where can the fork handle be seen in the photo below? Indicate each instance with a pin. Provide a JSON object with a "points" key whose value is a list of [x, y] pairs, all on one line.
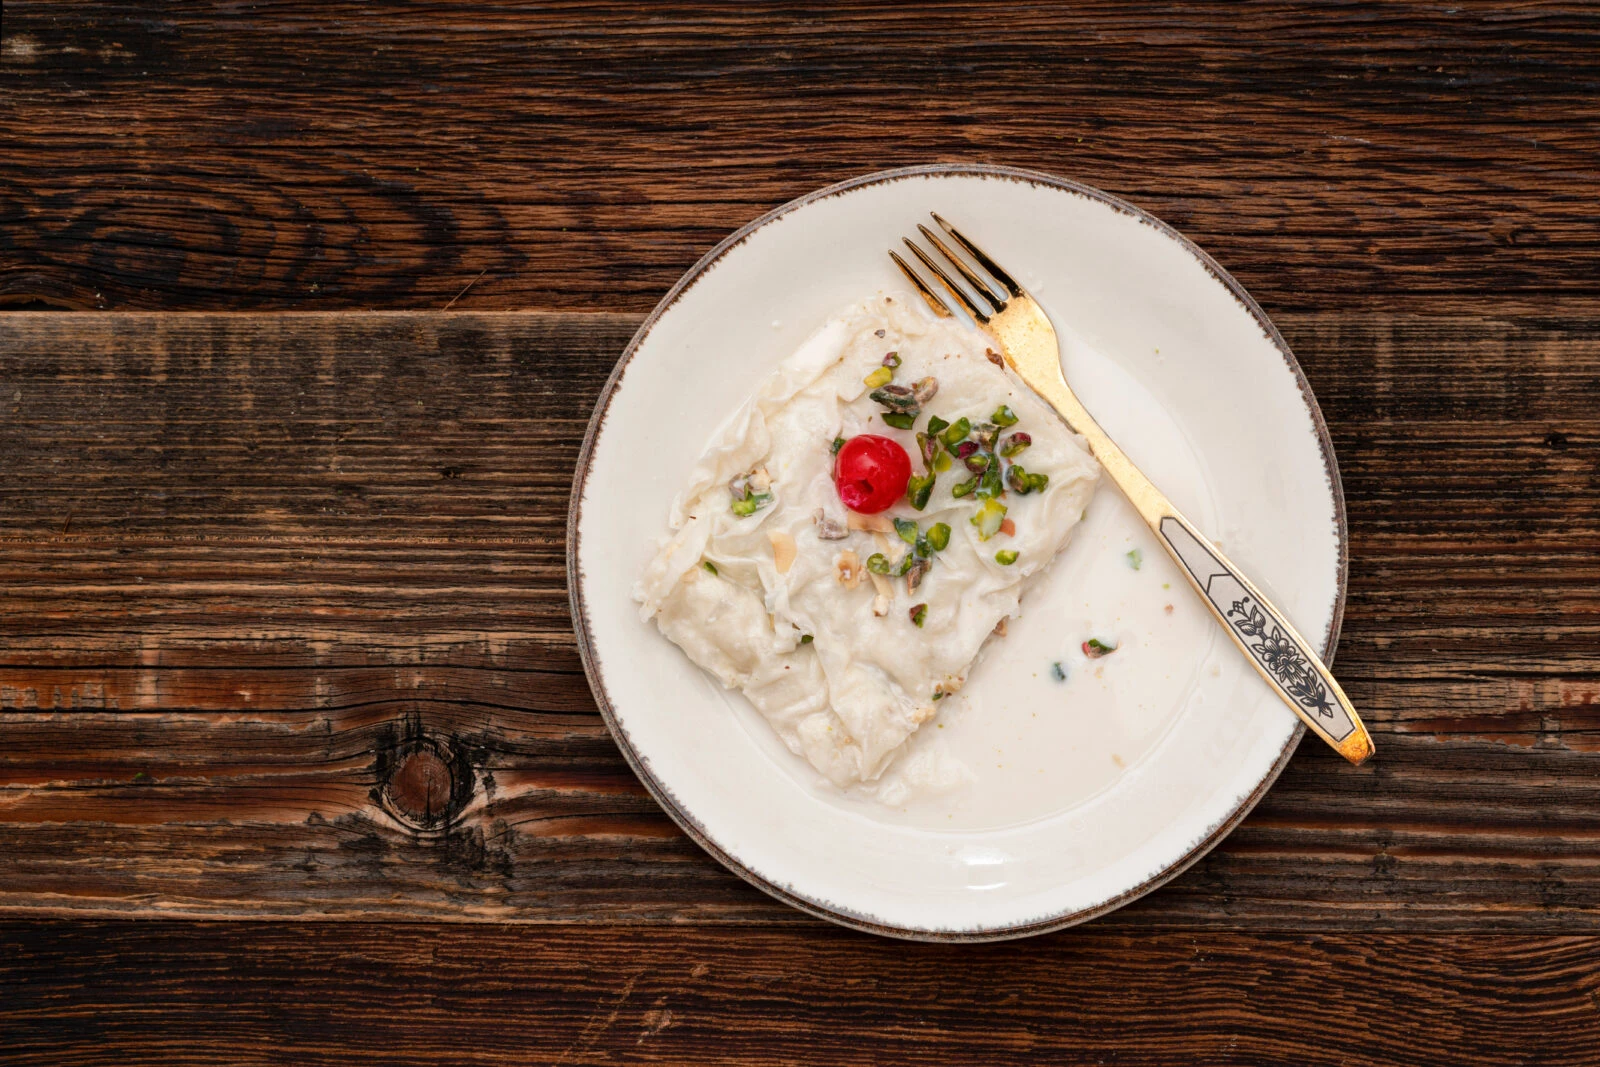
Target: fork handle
{"points": [[1280, 655]]}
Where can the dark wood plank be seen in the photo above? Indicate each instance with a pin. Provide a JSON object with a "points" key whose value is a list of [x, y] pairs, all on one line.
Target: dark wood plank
{"points": [[415, 994], [581, 155], [251, 564]]}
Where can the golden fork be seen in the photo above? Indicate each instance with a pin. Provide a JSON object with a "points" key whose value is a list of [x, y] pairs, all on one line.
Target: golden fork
{"points": [[1028, 341]]}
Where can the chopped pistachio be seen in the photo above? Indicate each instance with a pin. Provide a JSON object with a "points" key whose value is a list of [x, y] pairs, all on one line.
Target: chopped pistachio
{"points": [[907, 530], [916, 572], [988, 519], [955, 433], [899, 420], [878, 563], [838, 443], [941, 462], [966, 448], [1058, 672], [1015, 444], [806, 639], [751, 504], [961, 489], [739, 486], [936, 424], [919, 614], [907, 561], [709, 566], [978, 462], [928, 448], [1094, 648], [881, 376], [1135, 558], [925, 389], [939, 536], [985, 433], [1006, 557], [1024, 482], [989, 484], [899, 398], [892, 360], [919, 487], [1003, 416]]}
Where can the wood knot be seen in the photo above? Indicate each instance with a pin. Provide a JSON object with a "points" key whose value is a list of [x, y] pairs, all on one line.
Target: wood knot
{"points": [[426, 785]]}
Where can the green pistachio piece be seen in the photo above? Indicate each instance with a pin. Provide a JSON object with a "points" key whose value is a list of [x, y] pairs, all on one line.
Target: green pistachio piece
{"points": [[907, 530], [956, 433], [892, 360], [1094, 648], [939, 536], [899, 420], [942, 461], [806, 639], [936, 424], [878, 563], [838, 443], [751, 504], [1003, 416], [918, 489], [1135, 559], [1015, 444], [880, 377], [1037, 482], [989, 484], [988, 519], [1005, 557], [918, 615], [961, 489], [709, 566]]}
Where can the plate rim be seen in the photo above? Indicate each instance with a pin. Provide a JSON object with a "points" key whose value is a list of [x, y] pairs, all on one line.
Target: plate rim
{"points": [[664, 796]]}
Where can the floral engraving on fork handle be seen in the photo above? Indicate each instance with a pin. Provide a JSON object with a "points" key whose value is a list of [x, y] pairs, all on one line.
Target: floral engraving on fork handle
{"points": [[1280, 656], [1258, 629]]}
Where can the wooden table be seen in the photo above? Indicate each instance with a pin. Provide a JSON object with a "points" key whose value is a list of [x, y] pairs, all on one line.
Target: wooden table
{"points": [[297, 762]]}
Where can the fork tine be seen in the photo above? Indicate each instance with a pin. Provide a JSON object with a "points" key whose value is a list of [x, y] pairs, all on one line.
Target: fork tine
{"points": [[995, 300], [950, 286], [940, 308], [978, 254]]}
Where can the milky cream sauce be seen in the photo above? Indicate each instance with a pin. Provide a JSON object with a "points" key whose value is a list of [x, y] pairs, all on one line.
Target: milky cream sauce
{"points": [[1035, 744]]}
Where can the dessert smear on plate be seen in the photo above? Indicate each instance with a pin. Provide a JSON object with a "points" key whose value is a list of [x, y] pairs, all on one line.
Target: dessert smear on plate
{"points": [[860, 528]]}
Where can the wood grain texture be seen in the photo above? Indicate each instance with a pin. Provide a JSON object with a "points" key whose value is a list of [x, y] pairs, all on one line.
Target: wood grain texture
{"points": [[405, 994], [1397, 156], [250, 564]]}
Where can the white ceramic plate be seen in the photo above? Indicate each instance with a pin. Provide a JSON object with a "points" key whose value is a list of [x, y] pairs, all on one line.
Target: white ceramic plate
{"points": [[1088, 792]]}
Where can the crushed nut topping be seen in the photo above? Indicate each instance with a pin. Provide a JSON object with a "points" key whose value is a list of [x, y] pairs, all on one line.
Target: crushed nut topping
{"points": [[869, 523], [848, 566], [783, 550]]}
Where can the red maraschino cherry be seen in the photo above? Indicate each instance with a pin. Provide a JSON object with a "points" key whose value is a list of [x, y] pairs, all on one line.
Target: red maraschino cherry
{"points": [[871, 473]]}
